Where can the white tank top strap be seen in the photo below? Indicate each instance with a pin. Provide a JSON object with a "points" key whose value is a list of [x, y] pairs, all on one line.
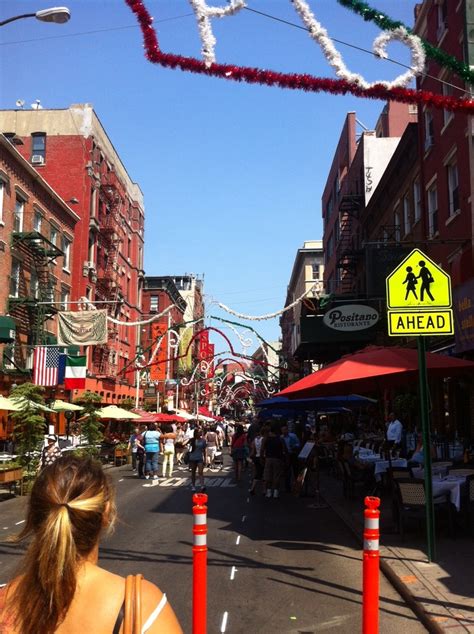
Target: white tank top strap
{"points": [[155, 614]]}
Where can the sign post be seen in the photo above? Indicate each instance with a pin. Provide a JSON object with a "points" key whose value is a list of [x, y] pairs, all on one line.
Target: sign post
{"points": [[419, 303]]}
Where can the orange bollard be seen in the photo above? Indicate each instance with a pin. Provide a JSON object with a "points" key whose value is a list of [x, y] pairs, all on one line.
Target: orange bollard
{"points": [[370, 589], [199, 563]]}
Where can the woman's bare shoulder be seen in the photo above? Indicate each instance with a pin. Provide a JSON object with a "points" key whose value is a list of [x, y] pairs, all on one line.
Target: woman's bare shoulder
{"points": [[166, 622]]}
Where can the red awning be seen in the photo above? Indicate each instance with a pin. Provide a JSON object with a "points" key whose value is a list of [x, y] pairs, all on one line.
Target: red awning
{"points": [[372, 369]]}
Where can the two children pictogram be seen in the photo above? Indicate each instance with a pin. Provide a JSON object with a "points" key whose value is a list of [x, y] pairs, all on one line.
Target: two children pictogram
{"points": [[411, 281]]}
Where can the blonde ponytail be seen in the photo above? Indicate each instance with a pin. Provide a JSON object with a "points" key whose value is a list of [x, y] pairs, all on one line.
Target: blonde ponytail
{"points": [[66, 514]]}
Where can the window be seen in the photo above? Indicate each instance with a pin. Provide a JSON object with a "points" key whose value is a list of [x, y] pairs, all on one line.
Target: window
{"points": [[154, 303], [406, 215], [447, 114], [2, 193], [397, 225], [442, 18], [38, 147], [37, 221], [315, 271], [15, 279], [417, 200], [53, 236], [64, 299], [453, 188], [429, 130], [18, 214], [34, 285], [67, 253], [432, 211]]}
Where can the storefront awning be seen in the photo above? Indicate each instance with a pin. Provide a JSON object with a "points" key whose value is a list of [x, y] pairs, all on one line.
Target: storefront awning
{"points": [[7, 329]]}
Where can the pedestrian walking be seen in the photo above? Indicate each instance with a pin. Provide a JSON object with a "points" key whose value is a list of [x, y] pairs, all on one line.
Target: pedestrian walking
{"points": [[167, 443], [238, 450], [293, 448], [197, 448], [212, 446], [180, 444], [132, 448], [257, 460], [274, 452], [151, 442], [61, 588], [140, 443], [50, 453]]}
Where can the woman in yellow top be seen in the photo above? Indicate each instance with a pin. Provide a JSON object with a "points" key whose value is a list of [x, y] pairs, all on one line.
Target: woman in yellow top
{"points": [[60, 588]]}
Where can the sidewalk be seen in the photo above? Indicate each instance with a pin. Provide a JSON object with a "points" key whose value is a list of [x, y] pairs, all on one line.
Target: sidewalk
{"points": [[441, 593]]}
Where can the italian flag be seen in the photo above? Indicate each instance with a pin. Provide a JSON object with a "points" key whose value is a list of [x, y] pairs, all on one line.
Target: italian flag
{"points": [[75, 373]]}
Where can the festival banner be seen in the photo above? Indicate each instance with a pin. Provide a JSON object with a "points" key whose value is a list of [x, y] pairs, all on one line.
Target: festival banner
{"points": [[82, 328], [158, 370], [186, 360]]}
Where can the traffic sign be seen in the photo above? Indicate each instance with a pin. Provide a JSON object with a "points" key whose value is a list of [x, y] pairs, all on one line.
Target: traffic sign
{"points": [[404, 323], [418, 284]]}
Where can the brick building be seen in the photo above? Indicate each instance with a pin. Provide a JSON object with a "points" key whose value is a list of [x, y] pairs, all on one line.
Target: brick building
{"points": [[158, 294], [36, 234], [72, 152]]}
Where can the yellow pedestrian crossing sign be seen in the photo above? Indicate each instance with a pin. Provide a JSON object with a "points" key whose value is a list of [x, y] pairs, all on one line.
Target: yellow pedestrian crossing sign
{"points": [[418, 284]]}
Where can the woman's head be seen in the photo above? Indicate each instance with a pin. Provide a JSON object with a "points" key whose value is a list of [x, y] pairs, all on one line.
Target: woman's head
{"points": [[71, 502], [239, 429], [152, 427], [167, 428], [197, 433]]}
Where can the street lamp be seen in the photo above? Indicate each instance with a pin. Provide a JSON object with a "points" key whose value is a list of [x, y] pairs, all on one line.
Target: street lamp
{"points": [[59, 15]]}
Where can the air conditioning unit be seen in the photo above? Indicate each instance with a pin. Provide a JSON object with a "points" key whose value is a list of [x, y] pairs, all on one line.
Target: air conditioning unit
{"points": [[37, 159]]}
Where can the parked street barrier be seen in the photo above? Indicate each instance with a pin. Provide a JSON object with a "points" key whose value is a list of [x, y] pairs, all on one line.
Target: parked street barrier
{"points": [[370, 589], [199, 563]]}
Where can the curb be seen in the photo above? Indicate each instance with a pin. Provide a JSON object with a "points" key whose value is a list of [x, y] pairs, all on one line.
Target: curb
{"points": [[392, 577]]}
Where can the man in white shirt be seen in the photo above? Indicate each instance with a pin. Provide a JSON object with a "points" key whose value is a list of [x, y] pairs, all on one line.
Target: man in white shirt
{"points": [[394, 430]]}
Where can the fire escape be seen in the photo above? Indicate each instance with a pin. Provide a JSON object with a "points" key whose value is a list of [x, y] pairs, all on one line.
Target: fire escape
{"points": [[347, 247], [108, 278], [31, 302]]}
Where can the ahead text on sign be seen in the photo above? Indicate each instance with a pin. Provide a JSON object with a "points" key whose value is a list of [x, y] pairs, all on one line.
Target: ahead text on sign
{"points": [[404, 323]]}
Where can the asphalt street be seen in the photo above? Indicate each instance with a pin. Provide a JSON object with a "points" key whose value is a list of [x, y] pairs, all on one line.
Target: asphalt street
{"points": [[274, 566]]}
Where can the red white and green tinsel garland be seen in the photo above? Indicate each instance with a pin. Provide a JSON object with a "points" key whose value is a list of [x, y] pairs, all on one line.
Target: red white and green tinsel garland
{"points": [[294, 81]]}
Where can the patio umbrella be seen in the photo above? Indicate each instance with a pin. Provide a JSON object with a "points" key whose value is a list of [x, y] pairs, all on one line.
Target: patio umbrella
{"points": [[7, 405], [118, 413], [23, 402], [169, 418], [374, 368], [64, 406]]}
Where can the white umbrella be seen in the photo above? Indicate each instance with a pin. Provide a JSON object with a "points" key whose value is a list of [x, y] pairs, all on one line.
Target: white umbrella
{"points": [[112, 411], [64, 406], [23, 402], [8, 405], [185, 415]]}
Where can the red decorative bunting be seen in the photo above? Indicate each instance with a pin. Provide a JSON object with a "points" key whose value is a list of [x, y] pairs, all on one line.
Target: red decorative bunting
{"points": [[305, 82]]}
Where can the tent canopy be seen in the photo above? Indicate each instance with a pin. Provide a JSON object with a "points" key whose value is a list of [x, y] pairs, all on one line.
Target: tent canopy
{"points": [[64, 406], [315, 404]]}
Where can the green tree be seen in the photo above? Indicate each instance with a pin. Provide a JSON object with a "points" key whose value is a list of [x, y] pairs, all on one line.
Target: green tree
{"points": [[127, 403], [29, 425], [91, 423]]}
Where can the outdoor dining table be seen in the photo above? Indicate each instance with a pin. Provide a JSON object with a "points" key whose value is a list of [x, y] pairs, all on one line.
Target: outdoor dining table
{"points": [[381, 465], [436, 468], [6, 457], [449, 485]]}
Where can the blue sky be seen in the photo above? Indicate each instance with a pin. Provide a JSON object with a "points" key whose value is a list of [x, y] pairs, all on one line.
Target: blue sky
{"points": [[232, 174]]}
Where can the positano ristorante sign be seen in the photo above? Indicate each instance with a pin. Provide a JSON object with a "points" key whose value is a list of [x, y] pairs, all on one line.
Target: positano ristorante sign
{"points": [[351, 317]]}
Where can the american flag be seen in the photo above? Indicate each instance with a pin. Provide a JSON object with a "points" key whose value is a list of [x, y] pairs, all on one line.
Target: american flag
{"points": [[45, 365]]}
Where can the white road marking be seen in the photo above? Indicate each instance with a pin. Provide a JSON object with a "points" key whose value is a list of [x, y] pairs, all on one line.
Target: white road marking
{"points": [[224, 622], [237, 541], [121, 480], [21, 522], [5, 528], [244, 517], [232, 573]]}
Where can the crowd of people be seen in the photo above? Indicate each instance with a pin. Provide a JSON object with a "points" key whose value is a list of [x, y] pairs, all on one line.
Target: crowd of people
{"points": [[269, 452]]}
